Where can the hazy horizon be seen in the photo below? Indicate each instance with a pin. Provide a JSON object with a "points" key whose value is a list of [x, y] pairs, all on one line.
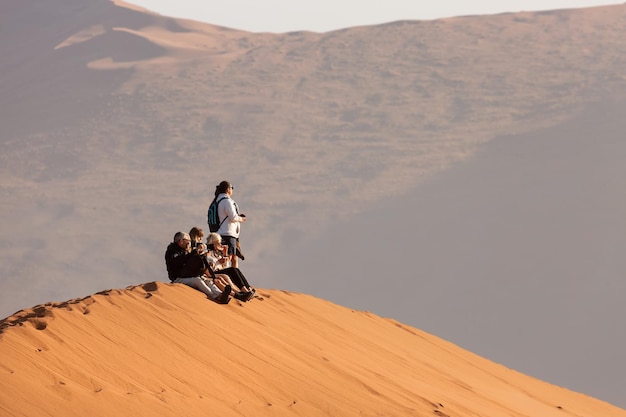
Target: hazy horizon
{"points": [[282, 16]]}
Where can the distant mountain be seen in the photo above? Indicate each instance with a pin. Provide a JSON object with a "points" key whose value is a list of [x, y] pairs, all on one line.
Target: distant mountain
{"points": [[159, 350], [350, 112]]}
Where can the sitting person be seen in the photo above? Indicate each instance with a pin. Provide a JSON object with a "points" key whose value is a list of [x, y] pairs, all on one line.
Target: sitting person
{"points": [[221, 280], [186, 266], [219, 261], [196, 234]]}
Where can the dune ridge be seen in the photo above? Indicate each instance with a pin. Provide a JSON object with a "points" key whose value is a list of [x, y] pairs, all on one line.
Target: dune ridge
{"points": [[160, 349]]}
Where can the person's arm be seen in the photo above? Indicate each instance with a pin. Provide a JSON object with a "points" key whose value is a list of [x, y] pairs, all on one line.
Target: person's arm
{"points": [[212, 258], [232, 212]]}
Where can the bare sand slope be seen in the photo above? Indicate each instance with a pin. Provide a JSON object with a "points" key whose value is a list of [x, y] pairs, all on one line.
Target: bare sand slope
{"points": [[161, 349], [116, 124]]}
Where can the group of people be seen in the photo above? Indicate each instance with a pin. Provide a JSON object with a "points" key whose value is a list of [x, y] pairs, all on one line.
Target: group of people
{"points": [[212, 267]]}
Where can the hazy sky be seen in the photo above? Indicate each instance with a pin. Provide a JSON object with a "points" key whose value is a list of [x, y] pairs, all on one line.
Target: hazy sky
{"points": [[326, 15]]}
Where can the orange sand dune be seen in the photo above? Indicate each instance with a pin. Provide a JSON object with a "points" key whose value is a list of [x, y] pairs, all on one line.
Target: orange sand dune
{"points": [[163, 350]]}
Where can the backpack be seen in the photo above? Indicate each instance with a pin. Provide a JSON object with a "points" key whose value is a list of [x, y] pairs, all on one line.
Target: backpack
{"points": [[213, 218]]}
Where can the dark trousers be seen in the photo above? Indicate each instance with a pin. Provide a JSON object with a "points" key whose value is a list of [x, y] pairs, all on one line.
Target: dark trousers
{"points": [[235, 275]]}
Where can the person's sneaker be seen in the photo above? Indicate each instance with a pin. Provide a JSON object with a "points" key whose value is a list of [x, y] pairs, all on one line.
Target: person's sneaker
{"points": [[249, 295], [241, 296], [224, 297]]}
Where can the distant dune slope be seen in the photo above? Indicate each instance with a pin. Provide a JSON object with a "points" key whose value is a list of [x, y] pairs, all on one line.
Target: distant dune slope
{"points": [[110, 115], [163, 350]]}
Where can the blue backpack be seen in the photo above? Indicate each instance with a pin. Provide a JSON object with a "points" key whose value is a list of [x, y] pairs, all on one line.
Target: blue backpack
{"points": [[212, 217]]}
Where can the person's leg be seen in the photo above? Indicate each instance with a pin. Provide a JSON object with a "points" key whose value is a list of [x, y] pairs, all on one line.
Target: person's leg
{"points": [[237, 277], [231, 243], [225, 297], [238, 251], [222, 280], [211, 291], [242, 278], [226, 291]]}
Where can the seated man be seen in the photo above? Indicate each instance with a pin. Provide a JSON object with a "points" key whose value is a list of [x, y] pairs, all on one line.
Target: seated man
{"points": [[186, 266]]}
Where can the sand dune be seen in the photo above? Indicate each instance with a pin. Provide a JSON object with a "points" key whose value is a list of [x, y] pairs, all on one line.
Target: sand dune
{"points": [[160, 349], [116, 124]]}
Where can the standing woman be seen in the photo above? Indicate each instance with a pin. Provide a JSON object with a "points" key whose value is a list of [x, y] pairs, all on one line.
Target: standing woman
{"points": [[230, 219]]}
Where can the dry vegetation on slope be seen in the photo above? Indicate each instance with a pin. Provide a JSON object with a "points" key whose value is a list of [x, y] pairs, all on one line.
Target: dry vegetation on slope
{"points": [[159, 350]]}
